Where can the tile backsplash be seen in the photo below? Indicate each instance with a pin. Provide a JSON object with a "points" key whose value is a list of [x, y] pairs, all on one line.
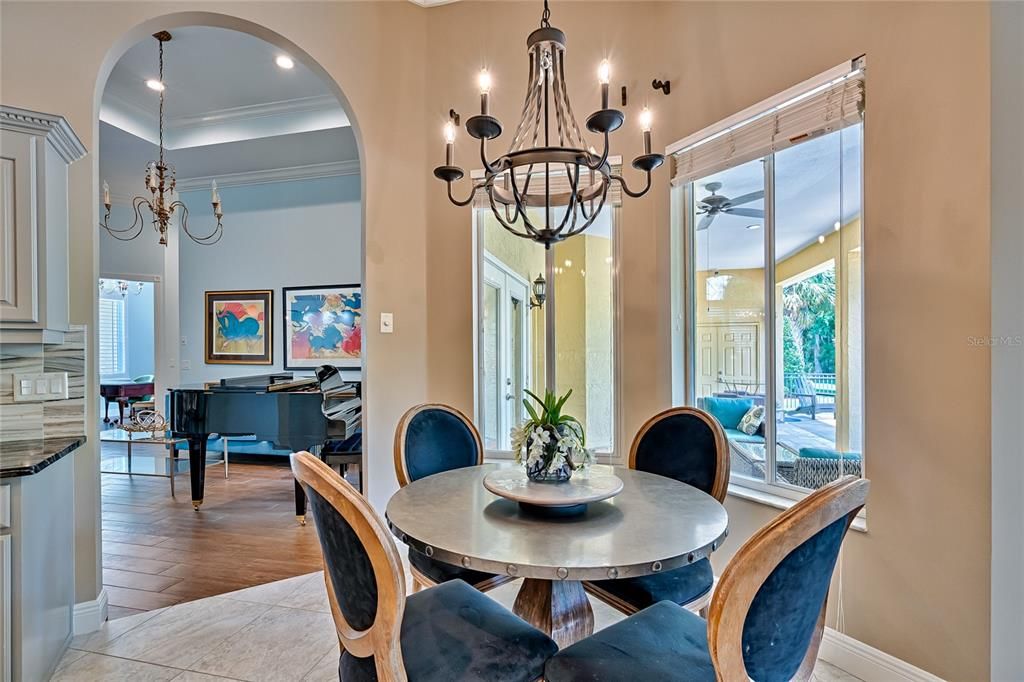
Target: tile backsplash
{"points": [[30, 421]]}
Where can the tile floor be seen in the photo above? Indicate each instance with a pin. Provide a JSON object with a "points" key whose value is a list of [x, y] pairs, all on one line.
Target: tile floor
{"points": [[279, 631]]}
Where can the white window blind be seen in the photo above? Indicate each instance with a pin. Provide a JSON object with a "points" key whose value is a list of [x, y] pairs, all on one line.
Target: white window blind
{"points": [[111, 337], [823, 108]]}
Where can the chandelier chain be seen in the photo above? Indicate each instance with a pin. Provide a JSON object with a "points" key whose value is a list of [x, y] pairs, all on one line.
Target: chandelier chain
{"points": [[162, 88], [545, 18]]}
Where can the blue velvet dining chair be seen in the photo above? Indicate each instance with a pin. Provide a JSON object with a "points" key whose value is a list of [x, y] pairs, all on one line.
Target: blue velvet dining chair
{"points": [[689, 445], [766, 618], [432, 438], [448, 632]]}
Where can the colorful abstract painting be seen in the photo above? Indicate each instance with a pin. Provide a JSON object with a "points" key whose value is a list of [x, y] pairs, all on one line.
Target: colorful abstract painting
{"points": [[323, 325], [238, 329]]}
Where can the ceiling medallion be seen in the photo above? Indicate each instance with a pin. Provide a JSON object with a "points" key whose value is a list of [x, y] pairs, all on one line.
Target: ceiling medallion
{"points": [[163, 202], [548, 165]]}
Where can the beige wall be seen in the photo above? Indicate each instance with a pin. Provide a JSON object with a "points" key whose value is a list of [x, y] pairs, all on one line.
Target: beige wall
{"points": [[917, 584], [926, 258]]}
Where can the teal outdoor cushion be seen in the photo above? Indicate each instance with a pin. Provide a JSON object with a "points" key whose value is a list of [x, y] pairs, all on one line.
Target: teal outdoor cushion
{"points": [[727, 410], [825, 453], [663, 642], [452, 632], [740, 437]]}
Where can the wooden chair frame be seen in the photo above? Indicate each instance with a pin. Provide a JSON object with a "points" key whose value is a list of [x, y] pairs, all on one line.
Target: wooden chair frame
{"points": [[382, 639], [719, 488], [759, 556], [402, 474], [401, 470]]}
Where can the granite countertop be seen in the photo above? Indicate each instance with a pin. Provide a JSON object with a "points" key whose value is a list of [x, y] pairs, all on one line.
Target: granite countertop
{"points": [[27, 457]]}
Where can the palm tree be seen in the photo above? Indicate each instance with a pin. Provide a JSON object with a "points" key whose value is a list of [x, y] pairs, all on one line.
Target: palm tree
{"points": [[805, 302]]}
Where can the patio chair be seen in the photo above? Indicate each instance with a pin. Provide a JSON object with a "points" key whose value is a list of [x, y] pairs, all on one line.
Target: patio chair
{"points": [[815, 467], [801, 388]]}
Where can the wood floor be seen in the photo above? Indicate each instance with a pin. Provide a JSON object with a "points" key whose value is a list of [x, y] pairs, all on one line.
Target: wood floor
{"points": [[157, 551]]}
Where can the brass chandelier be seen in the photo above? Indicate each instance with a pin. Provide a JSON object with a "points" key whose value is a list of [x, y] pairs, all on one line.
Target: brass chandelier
{"points": [[547, 145], [163, 202]]}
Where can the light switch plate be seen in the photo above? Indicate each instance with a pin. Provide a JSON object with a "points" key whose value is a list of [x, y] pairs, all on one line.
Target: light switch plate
{"points": [[387, 323], [34, 388]]}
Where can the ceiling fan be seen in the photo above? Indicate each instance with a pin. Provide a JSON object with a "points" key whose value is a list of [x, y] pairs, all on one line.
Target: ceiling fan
{"points": [[713, 204]]}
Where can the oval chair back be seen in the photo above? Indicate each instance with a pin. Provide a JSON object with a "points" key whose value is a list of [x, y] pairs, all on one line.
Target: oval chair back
{"points": [[687, 444], [362, 568], [432, 438], [768, 612]]}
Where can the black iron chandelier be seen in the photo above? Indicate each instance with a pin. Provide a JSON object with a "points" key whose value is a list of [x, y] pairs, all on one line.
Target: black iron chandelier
{"points": [[163, 202], [547, 148]]}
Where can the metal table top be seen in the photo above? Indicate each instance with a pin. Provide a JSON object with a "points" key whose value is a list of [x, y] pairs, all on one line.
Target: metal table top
{"points": [[655, 524]]}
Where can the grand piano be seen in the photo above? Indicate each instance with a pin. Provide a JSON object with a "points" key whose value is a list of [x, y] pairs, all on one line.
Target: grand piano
{"points": [[272, 407]]}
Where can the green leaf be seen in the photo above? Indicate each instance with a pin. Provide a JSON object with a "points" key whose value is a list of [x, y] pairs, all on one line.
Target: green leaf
{"points": [[531, 411]]}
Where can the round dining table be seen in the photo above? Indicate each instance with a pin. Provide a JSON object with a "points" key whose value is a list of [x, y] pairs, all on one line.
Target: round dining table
{"points": [[655, 524]]}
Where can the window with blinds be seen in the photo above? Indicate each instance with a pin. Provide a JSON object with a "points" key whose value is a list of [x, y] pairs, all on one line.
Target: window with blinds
{"points": [[111, 337], [769, 251], [801, 114]]}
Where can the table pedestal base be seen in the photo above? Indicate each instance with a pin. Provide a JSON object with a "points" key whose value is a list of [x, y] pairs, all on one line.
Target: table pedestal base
{"points": [[558, 607]]}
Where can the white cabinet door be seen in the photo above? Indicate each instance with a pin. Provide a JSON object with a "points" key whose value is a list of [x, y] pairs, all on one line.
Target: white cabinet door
{"points": [[19, 236]]}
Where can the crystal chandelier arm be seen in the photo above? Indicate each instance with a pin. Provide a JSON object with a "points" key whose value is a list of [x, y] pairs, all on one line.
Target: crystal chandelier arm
{"points": [[135, 228], [627, 190]]}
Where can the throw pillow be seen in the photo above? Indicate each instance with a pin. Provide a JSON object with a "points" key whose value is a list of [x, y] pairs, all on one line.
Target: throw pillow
{"points": [[751, 421]]}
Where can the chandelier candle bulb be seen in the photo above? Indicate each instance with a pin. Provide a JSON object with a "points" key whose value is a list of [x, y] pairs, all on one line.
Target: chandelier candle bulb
{"points": [[449, 143], [646, 118], [604, 76], [484, 81], [106, 193], [214, 194]]}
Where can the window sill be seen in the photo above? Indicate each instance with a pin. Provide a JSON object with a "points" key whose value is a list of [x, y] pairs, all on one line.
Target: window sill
{"points": [[780, 502]]}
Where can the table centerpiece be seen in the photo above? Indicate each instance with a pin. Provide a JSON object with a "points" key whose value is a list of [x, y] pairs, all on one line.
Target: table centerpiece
{"points": [[550, 444]]}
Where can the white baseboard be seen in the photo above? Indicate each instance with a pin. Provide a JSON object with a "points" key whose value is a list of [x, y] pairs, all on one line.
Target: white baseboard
{"points": [[866, 662], [89, 616]]}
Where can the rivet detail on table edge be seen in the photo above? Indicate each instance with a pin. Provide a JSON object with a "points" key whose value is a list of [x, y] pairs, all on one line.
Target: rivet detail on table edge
{"points": [[613, 573], [466, 562], [689, 558], [428, 550], [512, 570], [562, 572], [656, 566]]}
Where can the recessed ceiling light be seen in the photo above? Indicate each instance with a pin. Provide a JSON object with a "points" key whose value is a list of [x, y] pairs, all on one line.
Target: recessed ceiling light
{"points": [[154, 84], [754, 226], [836, 226], [821, 239], [284, 61]]}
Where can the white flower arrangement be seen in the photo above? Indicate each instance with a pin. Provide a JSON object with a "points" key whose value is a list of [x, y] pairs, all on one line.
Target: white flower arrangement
{"points": [[550, 444]]}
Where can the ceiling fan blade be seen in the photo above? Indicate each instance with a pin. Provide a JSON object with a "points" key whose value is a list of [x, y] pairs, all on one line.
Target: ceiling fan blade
{"points": [[747, 198], [705, 222], [746, 212]]}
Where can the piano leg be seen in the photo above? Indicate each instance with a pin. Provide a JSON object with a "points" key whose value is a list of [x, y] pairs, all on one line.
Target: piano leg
{"points": [[300, 504], [197, 467]]}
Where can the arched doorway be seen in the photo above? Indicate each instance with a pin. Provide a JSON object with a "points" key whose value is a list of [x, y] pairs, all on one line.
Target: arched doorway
{"points": [[171, 364]]}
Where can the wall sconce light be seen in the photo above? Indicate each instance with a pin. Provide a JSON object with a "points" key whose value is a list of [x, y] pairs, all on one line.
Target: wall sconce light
{"points": [[540, 292], [664, 86]]}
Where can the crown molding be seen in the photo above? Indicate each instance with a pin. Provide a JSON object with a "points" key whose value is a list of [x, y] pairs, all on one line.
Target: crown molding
{"points": [[55, 129], [310, 171], [299, 105]]}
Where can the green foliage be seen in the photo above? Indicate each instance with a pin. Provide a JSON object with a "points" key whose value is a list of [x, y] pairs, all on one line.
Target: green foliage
{"points": [[810, 316], [550, 413]]}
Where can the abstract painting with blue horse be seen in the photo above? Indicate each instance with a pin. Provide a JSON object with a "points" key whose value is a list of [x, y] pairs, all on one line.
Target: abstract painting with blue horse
{"points": [[241, 327], [325, 326]]}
